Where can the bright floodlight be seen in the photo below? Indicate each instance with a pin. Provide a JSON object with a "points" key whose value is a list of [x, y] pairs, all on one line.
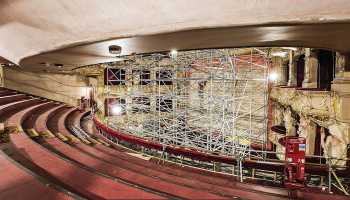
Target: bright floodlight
{"points": [[290, 48], [173, 53], [273, 76], [116, 109], [279, 54]]}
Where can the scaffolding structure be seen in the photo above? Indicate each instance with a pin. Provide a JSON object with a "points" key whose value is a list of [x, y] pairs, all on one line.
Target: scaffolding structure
{"points": [[212, 100]]}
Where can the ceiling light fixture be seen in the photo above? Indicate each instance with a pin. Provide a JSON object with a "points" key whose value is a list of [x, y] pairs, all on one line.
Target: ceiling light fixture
{"points": [[279, 54], [290, 48], [114, 49], [173, 53], [58, 65]]}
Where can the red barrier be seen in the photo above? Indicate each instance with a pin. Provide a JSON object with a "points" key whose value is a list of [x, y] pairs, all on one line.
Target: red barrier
{"points": [[194, 154], [275, 165]]}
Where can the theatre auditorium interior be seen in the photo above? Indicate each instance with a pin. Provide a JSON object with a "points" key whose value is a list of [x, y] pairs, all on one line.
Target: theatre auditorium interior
{"points": [[182, 99]]}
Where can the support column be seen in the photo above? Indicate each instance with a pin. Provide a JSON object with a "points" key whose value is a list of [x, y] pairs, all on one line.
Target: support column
{"points": [[274, 137], [277, 117], [289, 123], [310, 69], [280, 69], [342, 68], [292, 81], [1, 76], [341, 87], [217, 166], [307, 130], [337, 142], [284, 78]]}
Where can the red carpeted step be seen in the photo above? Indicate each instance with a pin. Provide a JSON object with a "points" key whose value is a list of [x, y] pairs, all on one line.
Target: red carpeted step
{"points": [[153, 171], [99, 151], [40, 124], [156, 171], [109, 169], [61, 123], [225, 186], [12, 98], [18, 184], [127, 175], [74, 118], [57, 121], [197, 174], [10, 108], [229, 181], [204, 176], [91, 130], [7, 92], [15, 120], [76, 179]]}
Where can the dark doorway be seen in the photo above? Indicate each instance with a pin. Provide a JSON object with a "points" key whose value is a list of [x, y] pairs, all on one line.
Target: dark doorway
{"points": [[318, 147], [300, 62], [326, 60], [286, 72]]}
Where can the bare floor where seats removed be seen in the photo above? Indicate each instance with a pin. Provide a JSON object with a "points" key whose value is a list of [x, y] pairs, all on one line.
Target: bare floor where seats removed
{"points": [[18, 183]]}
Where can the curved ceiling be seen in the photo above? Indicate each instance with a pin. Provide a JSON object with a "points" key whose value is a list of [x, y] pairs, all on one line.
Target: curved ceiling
{"points": [[69, 31]]}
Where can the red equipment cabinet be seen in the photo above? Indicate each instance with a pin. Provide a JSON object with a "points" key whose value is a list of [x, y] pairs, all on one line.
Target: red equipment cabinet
{"points": [[294, 161]]}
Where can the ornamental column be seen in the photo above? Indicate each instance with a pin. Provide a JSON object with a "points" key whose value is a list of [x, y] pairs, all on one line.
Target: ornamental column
{"points": [[336, 143], [280, 69], [289, 122], [310, 69], [307, 130], [292, 81], [341, 87], [1, 76], [284, 77]]}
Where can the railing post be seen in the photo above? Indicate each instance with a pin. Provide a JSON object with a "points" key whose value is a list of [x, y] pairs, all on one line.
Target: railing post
{"points": [[329, 176], [240, 169]]}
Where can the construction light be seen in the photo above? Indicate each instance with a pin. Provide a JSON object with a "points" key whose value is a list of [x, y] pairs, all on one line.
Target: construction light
{"points": [[290, 48], [116, 109], [273, 76], [279, 54], [173, 53]]}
